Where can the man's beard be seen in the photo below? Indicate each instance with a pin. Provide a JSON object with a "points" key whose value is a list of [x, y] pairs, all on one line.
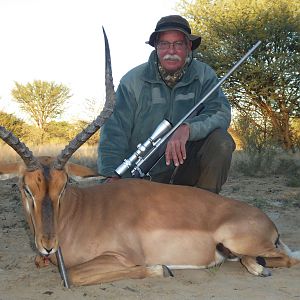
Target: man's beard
{"points": [[171, 78]]}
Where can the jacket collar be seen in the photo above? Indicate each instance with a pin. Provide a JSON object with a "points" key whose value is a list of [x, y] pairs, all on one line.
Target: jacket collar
{"points": [[152, 75]]}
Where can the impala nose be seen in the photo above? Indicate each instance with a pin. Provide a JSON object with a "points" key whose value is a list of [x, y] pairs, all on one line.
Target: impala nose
{"points": [[48, 250], [47, 246]]}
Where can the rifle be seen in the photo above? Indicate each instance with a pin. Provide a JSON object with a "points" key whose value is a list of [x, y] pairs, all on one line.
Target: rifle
{"points": [[150, 152]]}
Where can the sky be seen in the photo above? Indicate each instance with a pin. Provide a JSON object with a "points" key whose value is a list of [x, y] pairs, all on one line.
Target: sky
{"points": [[62, 41]]}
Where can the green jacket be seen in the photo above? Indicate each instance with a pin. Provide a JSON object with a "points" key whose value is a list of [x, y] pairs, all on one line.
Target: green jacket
{"points": [[143, 100]]}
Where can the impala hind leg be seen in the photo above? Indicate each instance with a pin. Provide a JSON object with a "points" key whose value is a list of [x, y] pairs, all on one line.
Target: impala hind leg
{"points": [[274, 258], [255, 266], [107, 268], [282, 258]]}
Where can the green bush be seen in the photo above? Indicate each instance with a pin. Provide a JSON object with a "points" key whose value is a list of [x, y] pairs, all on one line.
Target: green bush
{"points": [[291, 168], [254, 134], [12, 123], [254, 163], [266, 163]]}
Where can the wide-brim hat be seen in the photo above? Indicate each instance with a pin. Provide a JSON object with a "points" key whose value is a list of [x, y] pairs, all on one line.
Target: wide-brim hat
{"points": [[174, 22]]}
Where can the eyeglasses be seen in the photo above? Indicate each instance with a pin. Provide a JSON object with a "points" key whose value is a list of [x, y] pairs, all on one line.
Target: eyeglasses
{"points": [[164, 45]]}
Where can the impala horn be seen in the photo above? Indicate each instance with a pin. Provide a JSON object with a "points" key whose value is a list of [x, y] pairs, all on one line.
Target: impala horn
{"points": [[83, 136], [30, 161]]}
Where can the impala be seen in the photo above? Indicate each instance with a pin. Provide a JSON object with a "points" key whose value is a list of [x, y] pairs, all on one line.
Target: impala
{"points": [[135, 228]]}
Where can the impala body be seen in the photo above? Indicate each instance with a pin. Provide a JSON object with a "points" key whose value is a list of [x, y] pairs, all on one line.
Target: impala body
{"points": [[134, 228]]}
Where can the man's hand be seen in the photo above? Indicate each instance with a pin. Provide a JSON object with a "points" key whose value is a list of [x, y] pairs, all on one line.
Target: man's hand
{"points": [[112, 179], [176, 145]]}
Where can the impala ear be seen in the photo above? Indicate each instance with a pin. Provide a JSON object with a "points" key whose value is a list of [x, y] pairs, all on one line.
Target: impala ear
{"points": [[80, 171], [11, 170]]}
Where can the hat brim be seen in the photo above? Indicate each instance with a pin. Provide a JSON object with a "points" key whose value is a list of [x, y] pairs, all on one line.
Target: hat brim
{"points": [[195, 39]]}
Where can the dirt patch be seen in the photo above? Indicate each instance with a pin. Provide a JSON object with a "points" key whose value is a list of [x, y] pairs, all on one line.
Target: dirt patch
{"points": [[20, 279]]}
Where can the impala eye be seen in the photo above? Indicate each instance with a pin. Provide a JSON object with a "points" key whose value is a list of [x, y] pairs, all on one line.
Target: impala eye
{"points": [[27, 192], [63, 190], [29, 196], [61, 193]]}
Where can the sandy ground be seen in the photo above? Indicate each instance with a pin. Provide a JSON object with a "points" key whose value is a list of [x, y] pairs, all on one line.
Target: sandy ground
{"points": [[20, 279]]}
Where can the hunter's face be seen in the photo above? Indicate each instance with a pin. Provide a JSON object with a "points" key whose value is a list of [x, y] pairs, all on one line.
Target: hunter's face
{"points": [[172, 50]]}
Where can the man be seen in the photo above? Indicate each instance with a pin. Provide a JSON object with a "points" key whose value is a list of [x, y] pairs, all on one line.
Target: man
{"points": [[167, 87]]}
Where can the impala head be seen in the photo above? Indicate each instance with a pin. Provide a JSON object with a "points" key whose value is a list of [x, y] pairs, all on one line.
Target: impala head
{"points": [[43, 180], [41, 190]]}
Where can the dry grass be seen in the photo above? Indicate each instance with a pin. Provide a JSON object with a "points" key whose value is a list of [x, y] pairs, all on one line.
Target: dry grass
{"points": [[258, 165], [86, 155], [261, 165]]}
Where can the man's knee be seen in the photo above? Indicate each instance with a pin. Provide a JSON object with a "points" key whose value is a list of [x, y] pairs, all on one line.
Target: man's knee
{"points": [[221, 141]]}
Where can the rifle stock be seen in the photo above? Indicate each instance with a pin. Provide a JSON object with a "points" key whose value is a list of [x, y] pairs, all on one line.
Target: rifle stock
{"points": [[145, 158]]}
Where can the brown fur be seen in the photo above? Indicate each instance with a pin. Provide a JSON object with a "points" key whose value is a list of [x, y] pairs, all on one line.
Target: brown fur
{"points": [[124, 229]]}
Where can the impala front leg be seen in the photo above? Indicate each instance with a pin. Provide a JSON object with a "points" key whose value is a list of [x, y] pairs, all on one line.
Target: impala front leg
{"points": [[107, 268]]}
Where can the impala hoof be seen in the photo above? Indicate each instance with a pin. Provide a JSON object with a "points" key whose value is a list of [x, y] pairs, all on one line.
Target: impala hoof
{"points": [[167, 271], [266, 272]]}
